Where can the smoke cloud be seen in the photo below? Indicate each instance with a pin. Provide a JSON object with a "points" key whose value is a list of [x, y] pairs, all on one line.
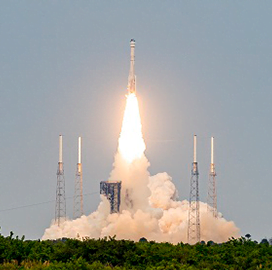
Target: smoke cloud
{"points": [[156, 213], [149, 204]]}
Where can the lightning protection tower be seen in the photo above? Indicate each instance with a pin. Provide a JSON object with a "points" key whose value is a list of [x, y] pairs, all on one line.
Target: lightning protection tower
{"points": [[78, 194], [193, 234], [212, 194], [60, 207]]}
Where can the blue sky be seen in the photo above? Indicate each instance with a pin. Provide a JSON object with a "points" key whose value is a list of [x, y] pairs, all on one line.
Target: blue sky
{"points": [[203, 67]]}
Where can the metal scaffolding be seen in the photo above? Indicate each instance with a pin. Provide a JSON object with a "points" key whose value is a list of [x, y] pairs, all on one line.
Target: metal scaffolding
{"points": [[78, 193], [212, 192], [60, 207], [193, 233], [112, 190]]}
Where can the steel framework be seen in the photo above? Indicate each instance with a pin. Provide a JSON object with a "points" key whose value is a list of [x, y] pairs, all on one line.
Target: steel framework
{"points": [[112, 191], [193, 233], [78, 193], [212, 192], [60, 207]]}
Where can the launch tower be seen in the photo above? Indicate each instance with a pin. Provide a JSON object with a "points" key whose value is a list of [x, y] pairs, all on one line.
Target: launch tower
{"points": [[212, 194], [60, 207], [193, 234], [112, 191], [78, 194]]}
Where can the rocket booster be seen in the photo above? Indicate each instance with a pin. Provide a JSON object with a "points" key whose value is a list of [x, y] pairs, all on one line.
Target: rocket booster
{"points": [[132, 78]]}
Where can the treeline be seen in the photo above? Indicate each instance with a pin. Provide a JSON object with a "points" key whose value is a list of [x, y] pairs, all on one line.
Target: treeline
{"points": [[242, 253]]}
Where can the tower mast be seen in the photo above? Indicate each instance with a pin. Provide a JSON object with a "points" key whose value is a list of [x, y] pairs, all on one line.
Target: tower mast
{"points": [[212, 193], [78, 194], [60, 207], [193, 233]]}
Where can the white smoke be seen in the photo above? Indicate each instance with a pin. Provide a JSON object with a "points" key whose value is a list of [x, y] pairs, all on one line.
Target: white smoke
{"points": [[149, 204], [156, 213]]}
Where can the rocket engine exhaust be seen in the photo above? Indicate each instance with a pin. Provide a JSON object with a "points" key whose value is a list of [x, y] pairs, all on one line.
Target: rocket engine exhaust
{"points": [[149, 204]]}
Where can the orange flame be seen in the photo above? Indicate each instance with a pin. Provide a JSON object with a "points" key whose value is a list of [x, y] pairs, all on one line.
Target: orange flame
{"points": [[131, 142]]}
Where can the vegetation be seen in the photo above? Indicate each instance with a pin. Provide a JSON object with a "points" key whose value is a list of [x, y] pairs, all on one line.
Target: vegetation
{"points": [[242, 253]]}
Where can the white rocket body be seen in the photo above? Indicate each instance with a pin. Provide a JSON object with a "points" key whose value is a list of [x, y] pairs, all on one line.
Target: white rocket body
{"points": [[132, 78]]}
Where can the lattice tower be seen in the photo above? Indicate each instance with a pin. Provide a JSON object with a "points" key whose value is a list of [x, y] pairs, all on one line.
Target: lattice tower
{"points": [[78, 193], [212, 192], [193, 234], [60, 207]]}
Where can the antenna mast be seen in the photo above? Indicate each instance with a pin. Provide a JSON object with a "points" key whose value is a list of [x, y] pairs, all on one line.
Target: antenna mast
{"points": [[193, 234], [212, 193], [60, 207], [78, 195]]}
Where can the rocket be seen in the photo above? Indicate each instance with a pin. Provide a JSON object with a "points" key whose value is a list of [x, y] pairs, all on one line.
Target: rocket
{"points": [[132, 78]]}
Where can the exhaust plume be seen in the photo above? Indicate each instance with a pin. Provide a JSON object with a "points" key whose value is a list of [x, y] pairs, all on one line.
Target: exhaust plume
{"points": [[149, 204]]}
